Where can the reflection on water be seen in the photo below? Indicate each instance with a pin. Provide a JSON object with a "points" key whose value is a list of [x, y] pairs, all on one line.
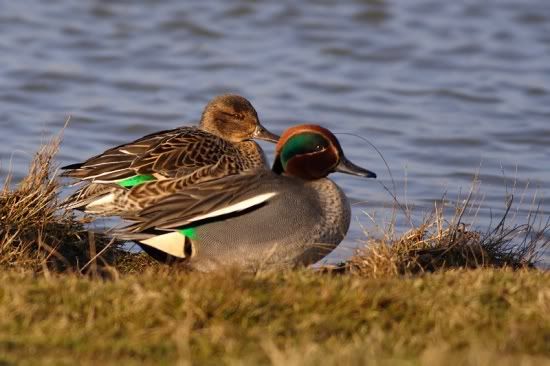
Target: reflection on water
{"points": [[444, 89]]}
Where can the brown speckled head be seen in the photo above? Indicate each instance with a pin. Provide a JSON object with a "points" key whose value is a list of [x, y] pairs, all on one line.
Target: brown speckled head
{"points": [[312, 152], [233, 118]]}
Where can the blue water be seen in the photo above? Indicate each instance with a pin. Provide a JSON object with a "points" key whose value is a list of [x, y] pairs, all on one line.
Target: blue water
{"points": [[443, 89]]}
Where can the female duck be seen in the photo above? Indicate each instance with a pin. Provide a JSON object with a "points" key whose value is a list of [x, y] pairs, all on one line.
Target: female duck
{"points": [[292, 215], [222, 145]]}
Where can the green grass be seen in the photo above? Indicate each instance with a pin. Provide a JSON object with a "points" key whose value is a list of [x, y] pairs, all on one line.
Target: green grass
{"points": [[296, 317]]}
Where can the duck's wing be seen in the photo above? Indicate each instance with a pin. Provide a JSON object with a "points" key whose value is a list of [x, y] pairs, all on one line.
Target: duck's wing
{"points": [[171, 153], [209, 200], [89, 194], [183, 153], [115, 163]]}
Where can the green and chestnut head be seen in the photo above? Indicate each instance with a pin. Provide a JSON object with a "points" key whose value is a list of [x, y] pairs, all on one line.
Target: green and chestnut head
{"points": [[312, 152], [233, 118]]}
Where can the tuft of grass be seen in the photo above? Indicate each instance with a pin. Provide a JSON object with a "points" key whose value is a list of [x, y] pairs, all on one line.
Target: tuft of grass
{"points": [[35, 235], [440, 244]]}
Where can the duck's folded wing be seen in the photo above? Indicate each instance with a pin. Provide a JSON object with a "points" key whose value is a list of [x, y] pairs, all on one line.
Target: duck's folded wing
{"points": [[206, 201], [116, 163], [182, 154], [88, 194]]}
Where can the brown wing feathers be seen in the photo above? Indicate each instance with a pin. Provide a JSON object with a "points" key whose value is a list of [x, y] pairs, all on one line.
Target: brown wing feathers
{"points": [[182, 154], [176, 153], [115, 163], [180, 208]]}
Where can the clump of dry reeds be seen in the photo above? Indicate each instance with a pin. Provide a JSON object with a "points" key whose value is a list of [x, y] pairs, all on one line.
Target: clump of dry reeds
{"points": [[438, 244], [35, 235]]}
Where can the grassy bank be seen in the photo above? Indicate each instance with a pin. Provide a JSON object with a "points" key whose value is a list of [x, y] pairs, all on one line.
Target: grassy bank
{"points": [[298, 317], [440, 293]]}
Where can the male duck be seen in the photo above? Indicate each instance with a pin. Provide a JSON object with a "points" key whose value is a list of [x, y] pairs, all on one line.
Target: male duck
{"points": [[221, 145], [290, 215]]}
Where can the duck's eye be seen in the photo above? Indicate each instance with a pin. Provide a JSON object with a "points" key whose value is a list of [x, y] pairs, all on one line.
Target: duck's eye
{"points": [[233, 115], [302, 144]]}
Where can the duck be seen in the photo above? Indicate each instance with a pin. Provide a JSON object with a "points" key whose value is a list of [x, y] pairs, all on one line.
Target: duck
{"points": [[221, 145], [291, 215]]}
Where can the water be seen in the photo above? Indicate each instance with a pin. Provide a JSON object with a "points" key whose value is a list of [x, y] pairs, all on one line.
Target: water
{"points": [[443, 89]]}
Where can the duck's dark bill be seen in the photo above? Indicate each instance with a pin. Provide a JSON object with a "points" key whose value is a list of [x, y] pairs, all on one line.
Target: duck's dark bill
{"points": [[347, 167], [262, 133]]}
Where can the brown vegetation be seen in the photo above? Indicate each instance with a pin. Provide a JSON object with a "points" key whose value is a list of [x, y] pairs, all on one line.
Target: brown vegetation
{"points": [[35, 235], [437, 244]]}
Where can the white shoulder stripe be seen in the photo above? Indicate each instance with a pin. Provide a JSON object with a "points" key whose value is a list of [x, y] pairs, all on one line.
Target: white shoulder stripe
{"points": [[239, 206]]}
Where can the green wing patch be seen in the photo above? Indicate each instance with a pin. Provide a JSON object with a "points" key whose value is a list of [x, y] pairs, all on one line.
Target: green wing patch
{"points": [[189, 232], [136, 180]]}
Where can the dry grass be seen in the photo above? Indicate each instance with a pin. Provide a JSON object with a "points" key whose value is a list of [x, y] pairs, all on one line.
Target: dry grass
{"points": [[441, 244], [36, 236]]}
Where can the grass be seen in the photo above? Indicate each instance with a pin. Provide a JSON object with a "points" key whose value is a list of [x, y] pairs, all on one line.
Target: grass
{"points": [[291, 318], [437, 244], [440, 293]]}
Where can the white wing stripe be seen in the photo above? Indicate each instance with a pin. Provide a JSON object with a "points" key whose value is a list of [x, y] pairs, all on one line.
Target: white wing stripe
{"points": [[240, 206]]}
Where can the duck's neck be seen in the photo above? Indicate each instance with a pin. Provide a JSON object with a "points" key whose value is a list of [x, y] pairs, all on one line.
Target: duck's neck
{"points": [[253, 154]]}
